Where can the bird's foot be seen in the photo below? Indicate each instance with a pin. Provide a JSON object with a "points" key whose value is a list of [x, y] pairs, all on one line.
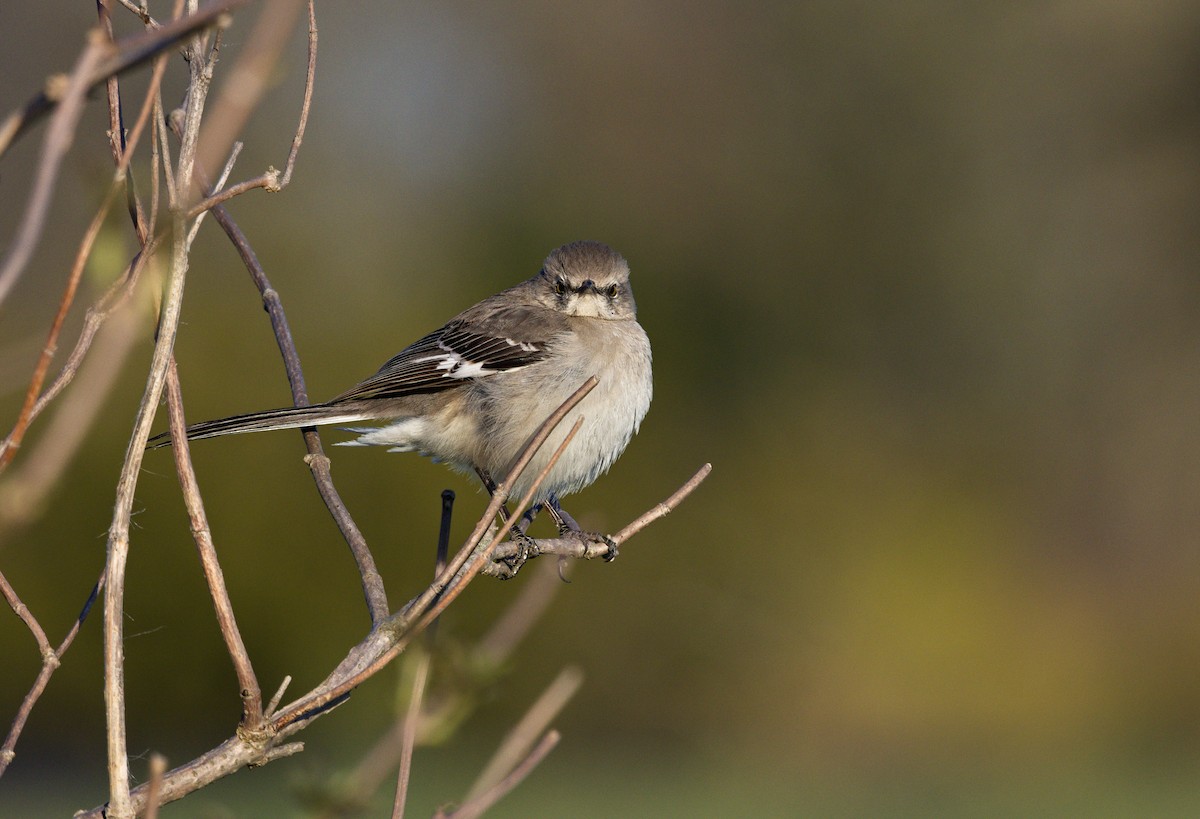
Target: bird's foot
{"points": [[590, 540], [526, 548]]}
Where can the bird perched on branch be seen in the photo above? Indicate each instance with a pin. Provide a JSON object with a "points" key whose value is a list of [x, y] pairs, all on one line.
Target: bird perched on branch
{"points": [[472, 393]]}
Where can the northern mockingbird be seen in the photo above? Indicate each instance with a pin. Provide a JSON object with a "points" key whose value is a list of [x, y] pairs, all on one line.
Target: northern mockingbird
{"points": [[472, 393]]}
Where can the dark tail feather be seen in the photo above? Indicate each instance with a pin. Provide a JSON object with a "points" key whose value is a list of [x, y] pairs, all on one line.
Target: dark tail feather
{"points": [[285, 418]]}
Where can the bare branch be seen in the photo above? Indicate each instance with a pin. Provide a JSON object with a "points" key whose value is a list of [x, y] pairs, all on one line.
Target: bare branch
{"points": [[278, 695], [317, 461], [587, 550], [120, 806], [309, 80], [485, 801], [21, 610], [524, 734], [158, 767], [412, 716], [664, 508], [58, 141], [251, 694], [268, 181], [247, 80], [382, 644], [370, 657], [50, 663], [130, 53]]}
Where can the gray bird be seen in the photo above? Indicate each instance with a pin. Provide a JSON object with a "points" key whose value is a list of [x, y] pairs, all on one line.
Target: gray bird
{"points": [[472, 393]]}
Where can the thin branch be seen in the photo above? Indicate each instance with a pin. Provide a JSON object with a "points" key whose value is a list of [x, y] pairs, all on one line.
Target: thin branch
{"points": [[524, 734], [158, 767], [130, 52], [268, 181], [477, 807], [309, 81], [50, 663], [576, 548], [97, 315], [120, 806], [195, 216], [116, 126], [317, 460], [664, 508], [251, 694], [25, 490], [277, 697], [244, 749], [412, 716], [418, 615], [247, 80], [113, 299], [21, 610], [58, 140], [48, 349]]}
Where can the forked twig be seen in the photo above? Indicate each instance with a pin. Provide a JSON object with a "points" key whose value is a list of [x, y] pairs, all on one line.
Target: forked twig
{"points": [[477, 807], [520, 740], [50, 663]]}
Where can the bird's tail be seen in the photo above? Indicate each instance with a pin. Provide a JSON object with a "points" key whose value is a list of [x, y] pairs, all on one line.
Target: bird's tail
{"points": [[284, 418]]}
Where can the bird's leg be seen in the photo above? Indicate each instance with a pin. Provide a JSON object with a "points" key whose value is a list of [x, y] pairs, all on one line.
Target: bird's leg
{"points": [[567, 526], [525, 544]]}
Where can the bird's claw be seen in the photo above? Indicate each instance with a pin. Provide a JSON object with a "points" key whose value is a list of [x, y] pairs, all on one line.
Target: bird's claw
{"points": [[525, 548]]}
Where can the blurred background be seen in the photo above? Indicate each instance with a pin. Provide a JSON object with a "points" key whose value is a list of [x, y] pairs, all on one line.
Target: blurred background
{"points": [[922, 284]]}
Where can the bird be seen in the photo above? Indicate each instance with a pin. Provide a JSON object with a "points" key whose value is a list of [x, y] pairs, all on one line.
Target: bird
{"points": [[472, 393]]}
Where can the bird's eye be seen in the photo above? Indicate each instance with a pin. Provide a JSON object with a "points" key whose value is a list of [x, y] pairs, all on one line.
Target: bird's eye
{"points": [[560, 287], [612, 291]]}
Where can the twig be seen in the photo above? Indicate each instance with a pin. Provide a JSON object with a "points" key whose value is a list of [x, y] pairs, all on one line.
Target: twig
{"points": [[521, 738], [573, 547], [360, 662], [196, 215], [96, 316], [412, 716], [120, 806], [278, 695], [158, 767], [247, 80], [317, 461], [130, 53], [58, 141], [367, 660], [116, 127], [268, 181], [24, 490], [310, 73], [50, 663], [485, 801], [664, 508], [251, 694], [21, 610]]}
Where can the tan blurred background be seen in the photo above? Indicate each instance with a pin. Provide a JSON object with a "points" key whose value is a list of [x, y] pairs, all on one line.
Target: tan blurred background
{"points": [[922, 283]]}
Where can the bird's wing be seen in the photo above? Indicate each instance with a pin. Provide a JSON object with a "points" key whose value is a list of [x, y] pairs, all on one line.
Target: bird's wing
{"points": [[477, 344]]}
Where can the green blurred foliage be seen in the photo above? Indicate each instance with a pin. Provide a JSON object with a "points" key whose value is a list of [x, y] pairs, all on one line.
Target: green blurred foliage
{"points": [[921, 282]]}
